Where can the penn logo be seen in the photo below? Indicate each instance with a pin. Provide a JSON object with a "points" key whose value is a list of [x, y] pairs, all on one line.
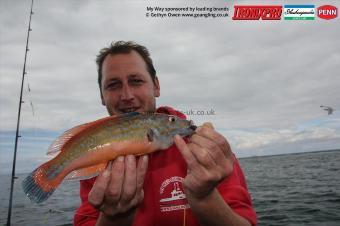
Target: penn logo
{"points": [[327, 12], [257, 12]]}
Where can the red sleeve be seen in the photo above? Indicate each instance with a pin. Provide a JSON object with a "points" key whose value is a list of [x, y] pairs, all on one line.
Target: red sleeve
{"points": [[86, 215], [235, 192]]}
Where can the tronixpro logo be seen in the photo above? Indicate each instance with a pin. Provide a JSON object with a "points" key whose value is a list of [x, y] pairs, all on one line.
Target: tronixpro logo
{"points": [[257, 12], [327, 12]]}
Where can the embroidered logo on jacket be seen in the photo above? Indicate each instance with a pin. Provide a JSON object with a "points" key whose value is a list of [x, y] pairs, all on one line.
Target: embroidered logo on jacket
{"points": [[172, 195]]}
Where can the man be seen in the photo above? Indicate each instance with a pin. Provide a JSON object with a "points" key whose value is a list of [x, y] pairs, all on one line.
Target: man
{"points": [[197, 181]]}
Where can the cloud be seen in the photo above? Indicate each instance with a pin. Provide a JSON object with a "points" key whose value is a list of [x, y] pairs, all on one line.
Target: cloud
{"points": [[255, 140]]}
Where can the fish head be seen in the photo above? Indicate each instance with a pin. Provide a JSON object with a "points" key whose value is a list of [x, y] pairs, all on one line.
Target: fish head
{"points": [[165, 127]]}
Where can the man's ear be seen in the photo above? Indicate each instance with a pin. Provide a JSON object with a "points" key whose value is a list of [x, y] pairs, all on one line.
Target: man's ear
{"points": [[157, 88]]}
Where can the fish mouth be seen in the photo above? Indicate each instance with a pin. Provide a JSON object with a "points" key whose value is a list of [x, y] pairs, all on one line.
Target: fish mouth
{"points": [[185, 132], [192, 126], [188, 131]]}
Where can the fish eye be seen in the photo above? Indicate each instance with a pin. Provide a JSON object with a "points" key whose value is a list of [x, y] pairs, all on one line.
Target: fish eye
{"points": [[172, 119]]}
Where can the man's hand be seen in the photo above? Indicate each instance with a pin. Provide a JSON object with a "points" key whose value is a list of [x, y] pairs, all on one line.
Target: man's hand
{"points": [[119, 189], [209, 160]]}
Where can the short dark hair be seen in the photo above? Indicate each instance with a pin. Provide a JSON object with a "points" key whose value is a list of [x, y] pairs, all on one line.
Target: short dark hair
{"points": [[124, 47]]}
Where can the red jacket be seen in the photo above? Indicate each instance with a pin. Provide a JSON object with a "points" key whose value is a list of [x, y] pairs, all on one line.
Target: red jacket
{"points": [[164, 201]]}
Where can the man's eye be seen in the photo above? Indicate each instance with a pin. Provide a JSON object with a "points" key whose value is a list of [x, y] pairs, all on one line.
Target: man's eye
{"points": [[112, 85], [136, 81]]}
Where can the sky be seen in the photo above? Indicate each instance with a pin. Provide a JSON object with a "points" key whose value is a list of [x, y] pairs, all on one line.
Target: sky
{"points": [[260, 83]]}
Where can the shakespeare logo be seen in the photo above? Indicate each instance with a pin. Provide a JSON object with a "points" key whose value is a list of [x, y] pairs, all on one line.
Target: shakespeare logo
{"points": [[257, 12], [173, 197], [327, 12], [299, 12]]}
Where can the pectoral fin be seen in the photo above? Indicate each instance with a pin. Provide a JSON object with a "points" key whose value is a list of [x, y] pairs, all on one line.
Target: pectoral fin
{"points": [[150, 134]]}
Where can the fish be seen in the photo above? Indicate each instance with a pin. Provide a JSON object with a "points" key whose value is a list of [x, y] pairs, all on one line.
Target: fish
{"points": [[84, 151]]}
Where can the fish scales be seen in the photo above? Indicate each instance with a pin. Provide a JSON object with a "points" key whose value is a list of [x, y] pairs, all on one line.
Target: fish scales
{"points": [[93, 141]]}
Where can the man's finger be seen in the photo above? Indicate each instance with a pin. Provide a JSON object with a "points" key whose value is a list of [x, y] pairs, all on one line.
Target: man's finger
{"points": [[213, 135], [130, 179], [116, 181], [202, 155], [142, 168], [208, 124], [96, 195], [209, 147], [185, 151]]}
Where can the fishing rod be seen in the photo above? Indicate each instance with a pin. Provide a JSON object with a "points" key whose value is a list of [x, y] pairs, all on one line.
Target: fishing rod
{"points": [[18, 121]]}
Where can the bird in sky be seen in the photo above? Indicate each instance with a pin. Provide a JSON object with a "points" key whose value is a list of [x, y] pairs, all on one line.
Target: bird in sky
{"points": [[328, 109]]}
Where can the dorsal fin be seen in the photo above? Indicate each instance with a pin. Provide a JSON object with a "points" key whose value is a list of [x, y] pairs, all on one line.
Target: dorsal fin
{"points": [[58, 144], [55, 147]]}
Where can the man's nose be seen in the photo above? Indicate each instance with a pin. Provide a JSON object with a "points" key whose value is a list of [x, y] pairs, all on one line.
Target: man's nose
{"points": [[126, 93]]}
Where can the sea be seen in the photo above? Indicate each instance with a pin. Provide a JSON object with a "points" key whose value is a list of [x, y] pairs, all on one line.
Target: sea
{"points": [[290, 189]]}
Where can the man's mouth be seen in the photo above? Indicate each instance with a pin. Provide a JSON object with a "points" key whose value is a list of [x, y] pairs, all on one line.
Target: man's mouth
{"points": [[127, 110]]}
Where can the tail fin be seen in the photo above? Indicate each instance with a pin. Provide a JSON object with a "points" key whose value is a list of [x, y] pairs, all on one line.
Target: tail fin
{"points": [[37, 187]]}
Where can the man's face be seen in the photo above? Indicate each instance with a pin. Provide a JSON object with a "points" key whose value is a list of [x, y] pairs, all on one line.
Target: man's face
{"points": [[127, 85]]}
